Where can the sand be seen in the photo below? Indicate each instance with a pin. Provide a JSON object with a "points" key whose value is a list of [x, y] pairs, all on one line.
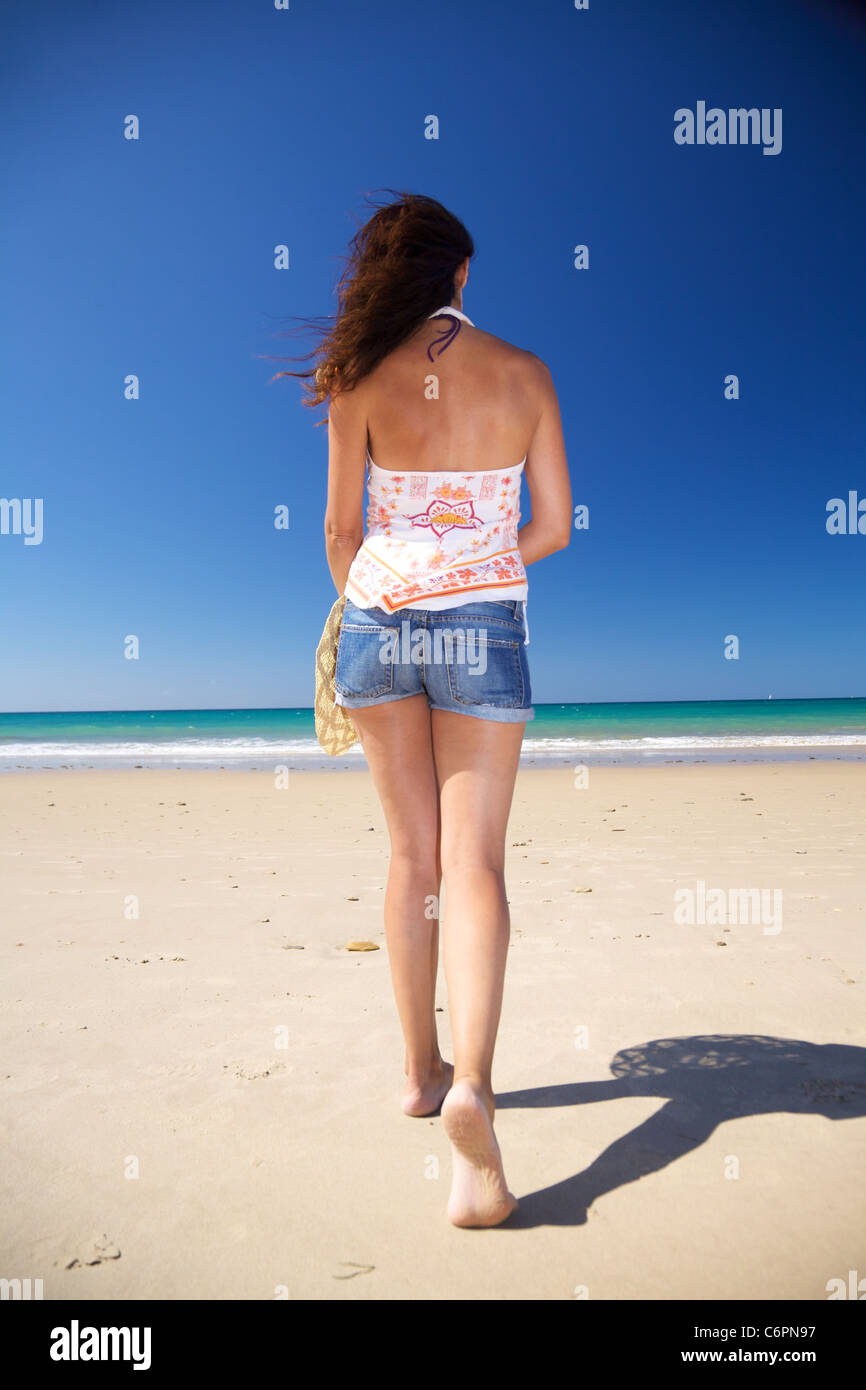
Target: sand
{"points": [[196, 1107]]}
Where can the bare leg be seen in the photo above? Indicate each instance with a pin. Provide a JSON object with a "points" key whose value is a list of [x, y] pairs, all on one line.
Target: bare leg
{"points": [[396, 738], [476, 763]]}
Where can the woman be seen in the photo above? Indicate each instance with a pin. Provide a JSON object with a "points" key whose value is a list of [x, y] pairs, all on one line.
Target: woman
{"points": [[431, 661]]}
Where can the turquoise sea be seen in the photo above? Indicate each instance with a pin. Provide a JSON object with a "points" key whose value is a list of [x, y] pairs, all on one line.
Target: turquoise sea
{"points": [[560, 735]]}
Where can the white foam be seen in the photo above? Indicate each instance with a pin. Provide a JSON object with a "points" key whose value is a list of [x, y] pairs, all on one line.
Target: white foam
{"points": [[216, 752]]}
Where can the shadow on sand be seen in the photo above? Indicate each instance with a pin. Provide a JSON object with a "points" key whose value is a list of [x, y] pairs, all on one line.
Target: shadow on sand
{"points": [[704, 1081]]}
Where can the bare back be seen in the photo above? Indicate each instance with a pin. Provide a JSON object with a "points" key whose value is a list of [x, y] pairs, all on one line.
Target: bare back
{"points": [[474, 406]]}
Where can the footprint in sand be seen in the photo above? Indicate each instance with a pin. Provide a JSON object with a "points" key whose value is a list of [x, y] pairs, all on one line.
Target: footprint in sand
{"points": [[244, 1071], [355, 1268], [100, 1250], [174, 1069]]}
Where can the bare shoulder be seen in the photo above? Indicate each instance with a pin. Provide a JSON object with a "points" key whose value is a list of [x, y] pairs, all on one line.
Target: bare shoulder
{"points": [[349, 401], [528, 365], [347, 408], [536, 369]]}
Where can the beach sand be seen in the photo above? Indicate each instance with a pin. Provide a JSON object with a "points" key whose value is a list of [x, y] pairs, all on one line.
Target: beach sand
{"points": [[160, 1141]]}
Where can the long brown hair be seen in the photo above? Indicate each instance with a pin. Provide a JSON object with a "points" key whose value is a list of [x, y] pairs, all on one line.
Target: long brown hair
{"points": [[399, 270]]}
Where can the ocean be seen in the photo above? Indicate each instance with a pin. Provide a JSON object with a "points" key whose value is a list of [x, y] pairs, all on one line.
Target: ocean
{"points": [[561, 735]]}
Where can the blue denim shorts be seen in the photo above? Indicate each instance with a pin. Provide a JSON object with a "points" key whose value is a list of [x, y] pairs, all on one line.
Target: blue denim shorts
{"points": [[470, 659]]}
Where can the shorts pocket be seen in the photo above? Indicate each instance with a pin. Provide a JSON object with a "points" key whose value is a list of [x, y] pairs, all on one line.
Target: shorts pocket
{"points": [[365, 660], [489, 673], [496, 610]]}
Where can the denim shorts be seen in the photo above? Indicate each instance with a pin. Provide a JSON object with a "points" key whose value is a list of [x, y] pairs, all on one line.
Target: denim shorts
{"points": [[470, 659]]}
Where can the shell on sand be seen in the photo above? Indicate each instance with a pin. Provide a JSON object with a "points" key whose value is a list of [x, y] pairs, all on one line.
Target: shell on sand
{"points": [[362, 946]]}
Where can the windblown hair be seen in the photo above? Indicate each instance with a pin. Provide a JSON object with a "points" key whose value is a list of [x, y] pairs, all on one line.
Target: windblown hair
{"points": [[400, 269]]}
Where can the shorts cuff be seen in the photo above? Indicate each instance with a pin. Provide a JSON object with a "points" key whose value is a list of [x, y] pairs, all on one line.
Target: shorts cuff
{"points": [[362, 702], [494, 713]]}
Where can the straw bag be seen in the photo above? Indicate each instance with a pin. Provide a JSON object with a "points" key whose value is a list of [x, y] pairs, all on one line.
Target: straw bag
{"points": [[334, 729]]}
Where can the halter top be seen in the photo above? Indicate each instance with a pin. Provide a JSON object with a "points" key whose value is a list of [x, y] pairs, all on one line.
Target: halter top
{"points": [[441, 539]]}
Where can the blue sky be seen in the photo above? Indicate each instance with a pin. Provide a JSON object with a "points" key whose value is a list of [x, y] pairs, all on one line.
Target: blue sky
{"points": [[260, 127]]}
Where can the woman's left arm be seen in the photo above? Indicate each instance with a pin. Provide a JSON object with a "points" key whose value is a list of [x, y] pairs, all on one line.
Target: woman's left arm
{"points": [[347, 458]]}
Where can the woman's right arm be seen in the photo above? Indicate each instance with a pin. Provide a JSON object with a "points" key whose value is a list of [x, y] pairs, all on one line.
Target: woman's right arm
{"points": [[546, 474]]}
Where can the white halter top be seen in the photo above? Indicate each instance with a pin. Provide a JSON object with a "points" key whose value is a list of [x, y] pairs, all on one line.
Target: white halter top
{"points": [[441, 539]]}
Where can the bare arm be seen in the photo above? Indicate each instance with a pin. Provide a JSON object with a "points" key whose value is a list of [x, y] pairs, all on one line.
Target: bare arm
{"points": [[547, 478], [347, 456]]}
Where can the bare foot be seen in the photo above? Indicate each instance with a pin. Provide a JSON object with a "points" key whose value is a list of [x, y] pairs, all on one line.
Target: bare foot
{"points": [[479, 1192], [424, 1097]]}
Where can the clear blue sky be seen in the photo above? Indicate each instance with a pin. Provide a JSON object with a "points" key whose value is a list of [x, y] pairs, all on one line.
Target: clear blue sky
{"points": [[262, 126]]}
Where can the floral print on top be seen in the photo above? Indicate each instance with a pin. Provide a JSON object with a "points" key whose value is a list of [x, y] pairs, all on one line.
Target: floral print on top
{"points": [[437, 540]]}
